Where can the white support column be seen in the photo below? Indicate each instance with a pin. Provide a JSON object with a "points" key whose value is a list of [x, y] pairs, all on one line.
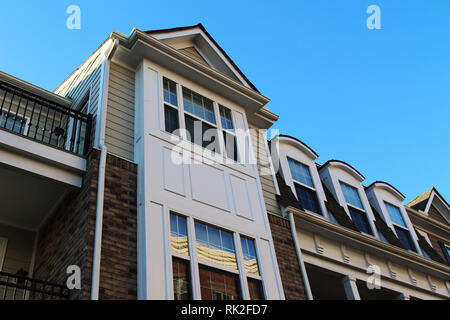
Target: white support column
{"points": [[351, 290]]}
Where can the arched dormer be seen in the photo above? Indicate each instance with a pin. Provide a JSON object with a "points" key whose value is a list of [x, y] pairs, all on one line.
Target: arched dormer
{"points": [[388, 202], [296, 163], [345, 183]]}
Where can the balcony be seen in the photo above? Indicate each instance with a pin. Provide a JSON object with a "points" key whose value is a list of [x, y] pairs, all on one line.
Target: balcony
{"points": [[44, 121], [19, 287]]}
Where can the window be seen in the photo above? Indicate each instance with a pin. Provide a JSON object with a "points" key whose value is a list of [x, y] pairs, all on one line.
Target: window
{"points": [[249, 252], [181, 279], [218, 285], [200, 120], [351, 195], [400, 226], [255, 289], [304, 187], [360, 220], [16, 123], [215, 245], [229, 136], [171, 120], [178, 234], [300, 173], [355, 208], [395, 214]]}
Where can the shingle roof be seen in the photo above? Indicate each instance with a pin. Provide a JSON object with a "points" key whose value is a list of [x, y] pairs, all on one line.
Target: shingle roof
{"points": [[337, 211], [420, 202], [286, 197], [425, 246], [384, 229]]}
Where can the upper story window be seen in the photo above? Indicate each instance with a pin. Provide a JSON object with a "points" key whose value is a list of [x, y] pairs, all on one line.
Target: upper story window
{"points": [[200, 120], [171, 120], [229, 135], [304, 187], [400, 226], [355, 208]]}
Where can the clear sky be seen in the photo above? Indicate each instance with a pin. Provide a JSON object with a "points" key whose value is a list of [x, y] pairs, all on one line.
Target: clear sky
{"points": [[377, 99]]}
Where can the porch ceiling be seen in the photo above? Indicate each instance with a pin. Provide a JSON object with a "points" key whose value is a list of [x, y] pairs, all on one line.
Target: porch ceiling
{"points": [[26, 199]]}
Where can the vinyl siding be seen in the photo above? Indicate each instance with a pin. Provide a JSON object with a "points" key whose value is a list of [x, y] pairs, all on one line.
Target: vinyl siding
{"points": [[259, 141], [19, 249], [119, 133], [88, 76]]}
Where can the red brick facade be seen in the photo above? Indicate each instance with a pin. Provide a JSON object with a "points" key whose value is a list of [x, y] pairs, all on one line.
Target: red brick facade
{"points": [[287, 258], [67, 238]]}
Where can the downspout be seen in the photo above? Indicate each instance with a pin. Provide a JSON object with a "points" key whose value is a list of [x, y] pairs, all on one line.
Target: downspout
{"points": [[95, 285], [301, 263]]}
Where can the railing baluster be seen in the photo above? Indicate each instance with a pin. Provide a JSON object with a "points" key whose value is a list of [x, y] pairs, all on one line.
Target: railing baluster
{"points": [[78, 126]]}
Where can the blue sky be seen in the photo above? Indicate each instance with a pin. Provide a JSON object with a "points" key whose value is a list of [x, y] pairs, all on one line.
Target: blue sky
{"points": [[377, 99]]}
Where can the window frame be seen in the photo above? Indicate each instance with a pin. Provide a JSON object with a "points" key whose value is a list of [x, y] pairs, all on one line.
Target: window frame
{"points": [[195, 263], [362, 210], [313, 189], [3, 247], [220, 148], [396, 225]]}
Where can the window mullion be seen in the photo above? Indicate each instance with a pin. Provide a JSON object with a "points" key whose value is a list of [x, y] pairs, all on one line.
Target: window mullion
{"points": [[219, 128], [180, 109], [195, 274], [242, 272]]}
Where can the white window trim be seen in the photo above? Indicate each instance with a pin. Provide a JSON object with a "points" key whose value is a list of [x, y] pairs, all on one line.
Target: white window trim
{"points": [[182, 124], [195, 263], [3, 246]]}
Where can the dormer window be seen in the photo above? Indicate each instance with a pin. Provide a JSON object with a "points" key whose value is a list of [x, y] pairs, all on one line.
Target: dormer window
{"points": [[304, 187], [355, 208], [400, 226]]}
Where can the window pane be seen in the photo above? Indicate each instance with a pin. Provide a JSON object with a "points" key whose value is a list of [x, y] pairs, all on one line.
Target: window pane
{"points": [[215, 245], [181, 280], [13, 123], [209, 137], [171, 119], [230, 146], [170, 91], [198, 105], [360, 220], [218, 285], [255, 289], [178, 234], [351, 195], [395, 214], [249, 253], [225, 117], [300, 173], [307, 198], [405, 238]]}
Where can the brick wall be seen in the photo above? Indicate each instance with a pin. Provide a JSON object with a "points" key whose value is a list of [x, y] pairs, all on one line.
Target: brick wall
{"points": [[287, 258], [67, 238]]}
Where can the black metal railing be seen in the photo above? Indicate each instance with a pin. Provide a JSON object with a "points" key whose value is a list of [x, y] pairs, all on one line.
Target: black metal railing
{"points": [[16, 287], [42, 120]]}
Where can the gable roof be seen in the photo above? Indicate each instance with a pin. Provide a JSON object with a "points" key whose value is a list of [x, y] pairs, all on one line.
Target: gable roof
{"points": [[423, 203], [219, 48]]}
